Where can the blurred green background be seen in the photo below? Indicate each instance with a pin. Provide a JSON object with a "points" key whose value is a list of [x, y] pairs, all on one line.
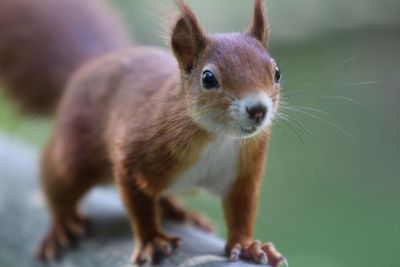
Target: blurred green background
{"points": [[331, 191]]}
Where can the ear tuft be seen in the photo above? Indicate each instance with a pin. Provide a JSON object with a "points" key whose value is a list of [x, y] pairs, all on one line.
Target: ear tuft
{"points": [[187, 39], [259, 28]]}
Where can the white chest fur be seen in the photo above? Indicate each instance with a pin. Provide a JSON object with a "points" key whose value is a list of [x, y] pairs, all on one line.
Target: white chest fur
{"points": [[215, 171]]}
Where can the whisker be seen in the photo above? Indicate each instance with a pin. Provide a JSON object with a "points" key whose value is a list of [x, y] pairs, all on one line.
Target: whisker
{"points": [[295, 123], [362, 83], [347, 61], [343, 98], [319, 73], [356, 84], [296, 108], [295, 132], [328, 123]]}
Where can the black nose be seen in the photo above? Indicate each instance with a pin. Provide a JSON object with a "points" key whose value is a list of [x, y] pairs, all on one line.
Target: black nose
{"points": [[257, 113]]}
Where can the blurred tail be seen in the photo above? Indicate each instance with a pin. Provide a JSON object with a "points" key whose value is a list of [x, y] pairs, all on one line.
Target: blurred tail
{"points": [[42, 42]]}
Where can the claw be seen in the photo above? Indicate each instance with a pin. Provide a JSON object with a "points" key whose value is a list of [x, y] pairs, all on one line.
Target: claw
{"points": [[76, 228], [263, 258], [61, 235], [142, 259], [154, 250], [235, 252], [62, 238], [167, 249], [275, 258], [283, 262], [265, 254]]}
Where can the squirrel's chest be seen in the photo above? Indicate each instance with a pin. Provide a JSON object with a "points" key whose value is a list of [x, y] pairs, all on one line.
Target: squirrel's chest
{"points": [[215, 171]]}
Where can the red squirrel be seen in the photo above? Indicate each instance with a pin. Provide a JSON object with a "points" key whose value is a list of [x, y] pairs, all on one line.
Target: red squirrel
{"points": [[162, 124]]}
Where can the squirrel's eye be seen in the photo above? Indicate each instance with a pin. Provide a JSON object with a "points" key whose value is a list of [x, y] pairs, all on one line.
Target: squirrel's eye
{"points": [[278, 75], [209, 80]]}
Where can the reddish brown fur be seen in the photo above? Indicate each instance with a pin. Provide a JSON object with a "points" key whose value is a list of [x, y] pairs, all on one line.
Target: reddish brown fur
{"points": [[44, 41], [259, 28], [240, 203], [133, 115]]}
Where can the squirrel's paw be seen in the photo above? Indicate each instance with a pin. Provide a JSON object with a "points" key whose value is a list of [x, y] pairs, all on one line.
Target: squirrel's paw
{"points": [[174, 211], [154, 250], [265, 254], [200, 221], [62, 234], [196, 219]]}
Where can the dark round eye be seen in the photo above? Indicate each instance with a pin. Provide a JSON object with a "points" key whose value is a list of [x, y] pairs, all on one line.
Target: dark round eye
{"points": [[209, 80], [278, 75]]}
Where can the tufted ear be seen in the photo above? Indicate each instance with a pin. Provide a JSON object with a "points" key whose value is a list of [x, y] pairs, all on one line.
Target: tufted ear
{"points": [[260, 28], [187, 39]]}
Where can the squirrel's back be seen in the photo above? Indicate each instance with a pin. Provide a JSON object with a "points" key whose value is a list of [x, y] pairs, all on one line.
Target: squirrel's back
{"points": [[43, 42]]}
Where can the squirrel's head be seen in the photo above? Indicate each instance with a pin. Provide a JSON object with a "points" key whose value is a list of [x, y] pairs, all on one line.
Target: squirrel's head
{"points": [[231, 82]]}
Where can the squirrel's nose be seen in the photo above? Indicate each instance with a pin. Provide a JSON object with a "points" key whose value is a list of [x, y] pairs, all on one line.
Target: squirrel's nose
{"points": [[257, 112]]}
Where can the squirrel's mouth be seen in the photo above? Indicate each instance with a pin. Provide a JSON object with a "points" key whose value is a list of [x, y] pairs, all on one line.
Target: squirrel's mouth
{"points": [[249, 130]]}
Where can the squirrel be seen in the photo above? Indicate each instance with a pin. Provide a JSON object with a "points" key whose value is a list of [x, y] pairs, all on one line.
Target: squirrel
{"points": [[159, 123]]}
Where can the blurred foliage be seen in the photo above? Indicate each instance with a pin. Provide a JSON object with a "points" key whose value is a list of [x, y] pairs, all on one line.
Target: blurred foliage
{"points": [[331, 191], [290, 20], [20, 125]]}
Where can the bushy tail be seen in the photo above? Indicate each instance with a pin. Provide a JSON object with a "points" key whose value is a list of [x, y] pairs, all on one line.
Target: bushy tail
{"points": [[42, 42]]}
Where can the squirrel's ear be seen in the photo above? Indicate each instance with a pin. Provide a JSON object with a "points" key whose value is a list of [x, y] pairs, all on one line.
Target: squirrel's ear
{"points": [[260, 28], [188, 39]]}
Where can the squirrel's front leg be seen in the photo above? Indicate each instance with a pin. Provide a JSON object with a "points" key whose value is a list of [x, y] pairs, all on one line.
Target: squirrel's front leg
{"points": [[240, 208], [151, 244]]}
